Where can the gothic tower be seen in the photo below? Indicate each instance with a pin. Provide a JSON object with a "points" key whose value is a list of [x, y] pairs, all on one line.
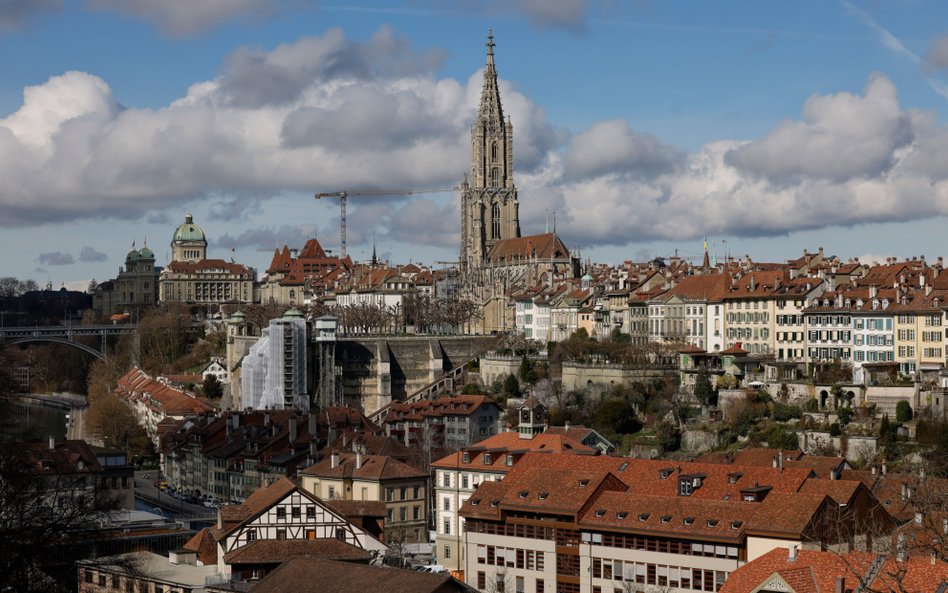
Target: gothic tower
{"points": [[489, 208]]}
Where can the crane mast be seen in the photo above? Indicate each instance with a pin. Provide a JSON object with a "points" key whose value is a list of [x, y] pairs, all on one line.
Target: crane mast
{"points": [[344, 195]]}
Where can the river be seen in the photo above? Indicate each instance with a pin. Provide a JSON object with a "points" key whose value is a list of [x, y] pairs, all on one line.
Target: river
{"points": [[40, 422]]}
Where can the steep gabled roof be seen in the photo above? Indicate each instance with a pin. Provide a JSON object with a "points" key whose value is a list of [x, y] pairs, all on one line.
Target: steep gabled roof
{"points": [[541, 247]]}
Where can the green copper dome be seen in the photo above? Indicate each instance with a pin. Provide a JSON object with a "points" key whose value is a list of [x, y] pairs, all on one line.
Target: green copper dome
{"points": [[189, 231], [132, 255], [146, 253]]}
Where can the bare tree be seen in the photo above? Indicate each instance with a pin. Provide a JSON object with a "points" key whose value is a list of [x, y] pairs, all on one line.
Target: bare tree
{"points": [[501, 582]]}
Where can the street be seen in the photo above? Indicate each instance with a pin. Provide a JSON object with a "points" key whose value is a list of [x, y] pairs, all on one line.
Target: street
{"points": [[145, 490]]}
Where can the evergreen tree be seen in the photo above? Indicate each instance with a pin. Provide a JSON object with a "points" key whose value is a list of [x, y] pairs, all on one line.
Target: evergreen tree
{"points": [[704, 391]]}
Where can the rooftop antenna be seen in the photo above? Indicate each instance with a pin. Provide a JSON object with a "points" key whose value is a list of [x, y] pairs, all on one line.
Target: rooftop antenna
{"points": [[554, 221], [548, 220]]}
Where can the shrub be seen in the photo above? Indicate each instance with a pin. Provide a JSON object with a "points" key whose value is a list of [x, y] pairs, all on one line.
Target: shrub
{"points": [[845, 415], [903, 411], [781, 438], [812, 405], [783, 412], [835, 430]]}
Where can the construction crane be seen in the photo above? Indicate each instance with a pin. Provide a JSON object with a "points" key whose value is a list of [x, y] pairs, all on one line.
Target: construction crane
{"points": [[344, 195]]}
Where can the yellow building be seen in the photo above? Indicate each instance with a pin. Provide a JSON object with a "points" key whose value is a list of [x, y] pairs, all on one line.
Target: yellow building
{"points": [[354, 476]]}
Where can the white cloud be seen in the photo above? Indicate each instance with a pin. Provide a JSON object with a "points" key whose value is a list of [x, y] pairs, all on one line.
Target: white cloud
{"points": [[851, 160], [841, 136], [345, 118], [613, 147], [339, 122], [188, 17]]}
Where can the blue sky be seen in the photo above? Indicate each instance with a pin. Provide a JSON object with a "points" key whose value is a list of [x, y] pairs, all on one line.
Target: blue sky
{"points": [[646, 126]]}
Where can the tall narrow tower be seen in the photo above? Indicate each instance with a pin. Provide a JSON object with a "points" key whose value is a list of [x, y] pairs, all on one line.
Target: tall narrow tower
{"points": [[489, 208]]}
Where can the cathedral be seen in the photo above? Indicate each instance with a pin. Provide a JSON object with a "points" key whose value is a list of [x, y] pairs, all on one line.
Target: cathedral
{"points": [[495, 259]]}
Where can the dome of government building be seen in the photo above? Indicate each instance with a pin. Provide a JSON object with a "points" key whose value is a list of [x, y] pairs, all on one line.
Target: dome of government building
{"points": [[189, 231]]}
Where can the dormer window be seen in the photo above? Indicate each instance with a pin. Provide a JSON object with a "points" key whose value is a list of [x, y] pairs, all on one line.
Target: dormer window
{"points": [[666, 518], [487, 459], [475, 502], [494, 503], [510, 459], [465, 457], [685, 487], [733, 478], [689, 520], [712, 522], [622, 515], [664, 473], [643, 516], [736, 524], [600, 512], [583, 483], [543, 495], [523, 494]]}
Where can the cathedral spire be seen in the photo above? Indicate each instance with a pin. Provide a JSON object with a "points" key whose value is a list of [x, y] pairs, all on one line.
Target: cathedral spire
{"points": [[490, 95]]}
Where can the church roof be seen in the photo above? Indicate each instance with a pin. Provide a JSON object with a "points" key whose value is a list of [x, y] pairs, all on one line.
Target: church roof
{"points": [[542, 247]]}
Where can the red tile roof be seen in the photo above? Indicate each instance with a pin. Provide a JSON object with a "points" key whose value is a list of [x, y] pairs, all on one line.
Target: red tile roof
{"points": [[374, 467], [277, 551]]}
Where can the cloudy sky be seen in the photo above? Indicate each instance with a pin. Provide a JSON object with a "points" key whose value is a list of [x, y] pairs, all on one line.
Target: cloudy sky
{"points": [[645, 126]]}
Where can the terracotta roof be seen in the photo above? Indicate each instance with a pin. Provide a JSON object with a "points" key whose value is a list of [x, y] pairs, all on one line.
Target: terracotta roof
{"points": [[374, 467], [357, 508], [309, 575], [500, 444], [706, 287], [138, 386], [204, 544], [576, 484], [811, 572], [273, 551], [209, 265], [542, 247]]}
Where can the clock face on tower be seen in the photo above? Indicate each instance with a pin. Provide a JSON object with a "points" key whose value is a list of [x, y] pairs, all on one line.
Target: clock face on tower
{"points": [[525, 415]]}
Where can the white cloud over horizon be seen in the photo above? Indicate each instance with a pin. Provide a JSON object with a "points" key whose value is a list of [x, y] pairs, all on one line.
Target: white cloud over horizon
{"points": [[327, 113]]}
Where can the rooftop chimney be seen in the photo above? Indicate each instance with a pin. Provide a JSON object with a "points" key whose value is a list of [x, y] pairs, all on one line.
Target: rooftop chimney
{"points": [[839, 585], [792, 554], [334, 459], [293, 434], [312, 423], [52, 443], [359, 460]]}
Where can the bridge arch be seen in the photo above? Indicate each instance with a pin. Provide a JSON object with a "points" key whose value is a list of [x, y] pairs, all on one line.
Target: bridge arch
{"points": [[66, 341]]}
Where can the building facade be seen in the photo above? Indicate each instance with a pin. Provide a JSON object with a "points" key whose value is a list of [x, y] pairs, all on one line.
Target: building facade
{"points": [[193, 279]]}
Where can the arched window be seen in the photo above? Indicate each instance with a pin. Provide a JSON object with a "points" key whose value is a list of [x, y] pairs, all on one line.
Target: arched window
{"points": [[495, 177], [495, 216], [494, 152]]}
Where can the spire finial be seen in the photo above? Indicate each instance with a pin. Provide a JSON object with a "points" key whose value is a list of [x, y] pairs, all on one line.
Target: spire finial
{"points": [[490, 46]]}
